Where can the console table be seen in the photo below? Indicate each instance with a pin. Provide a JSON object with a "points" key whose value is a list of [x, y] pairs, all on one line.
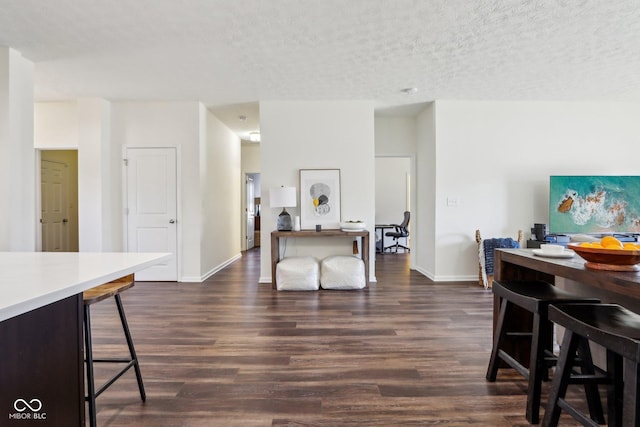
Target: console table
{"points": [[277, 235], [41, 345]]}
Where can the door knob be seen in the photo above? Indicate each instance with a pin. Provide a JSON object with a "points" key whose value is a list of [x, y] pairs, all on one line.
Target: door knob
{"points": [[171, 221]]}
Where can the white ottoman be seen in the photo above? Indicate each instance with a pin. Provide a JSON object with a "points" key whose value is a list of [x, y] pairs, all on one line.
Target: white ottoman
{"points": [[298, 274], [342, 272]]}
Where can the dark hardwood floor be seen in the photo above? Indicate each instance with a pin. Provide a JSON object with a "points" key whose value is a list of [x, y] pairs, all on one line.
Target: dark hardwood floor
{"points": [[231, 352]]}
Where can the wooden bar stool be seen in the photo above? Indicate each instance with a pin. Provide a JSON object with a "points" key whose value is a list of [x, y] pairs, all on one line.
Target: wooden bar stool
{"points": [[535, 298], [618, 331], [92, 296]]}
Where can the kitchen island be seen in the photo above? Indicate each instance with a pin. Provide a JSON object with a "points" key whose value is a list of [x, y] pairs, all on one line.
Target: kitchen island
{"points": [[41, 345]]}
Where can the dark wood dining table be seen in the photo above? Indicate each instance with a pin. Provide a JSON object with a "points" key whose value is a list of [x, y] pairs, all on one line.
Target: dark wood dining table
{"points": [[568, 273]]}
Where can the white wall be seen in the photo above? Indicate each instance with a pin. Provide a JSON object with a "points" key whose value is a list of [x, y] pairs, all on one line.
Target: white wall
{"points": [[424, 226], [95, 192], [496, 158], [250, 158], [392, 189], [317, 135], [168, 124], [395, 136], [17, 157], [222, 189], [208, 155], [56, 125]]}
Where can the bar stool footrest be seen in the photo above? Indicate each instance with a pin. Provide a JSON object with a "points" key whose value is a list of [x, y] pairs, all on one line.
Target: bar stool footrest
{"points": [[113, 379], [582, 418]]}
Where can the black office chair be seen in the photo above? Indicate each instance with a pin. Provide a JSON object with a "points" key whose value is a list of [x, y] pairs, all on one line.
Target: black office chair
{"points": [[400, 232]]}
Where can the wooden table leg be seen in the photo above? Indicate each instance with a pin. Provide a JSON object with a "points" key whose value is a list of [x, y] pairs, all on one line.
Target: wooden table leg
{"points": [[275, 258]]}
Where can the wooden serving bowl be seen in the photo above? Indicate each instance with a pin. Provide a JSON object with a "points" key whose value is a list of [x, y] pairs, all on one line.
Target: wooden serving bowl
{"points": [[608, 259]]}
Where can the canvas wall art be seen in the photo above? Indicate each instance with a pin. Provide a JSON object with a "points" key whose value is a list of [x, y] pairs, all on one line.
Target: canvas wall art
{"points": [[319, 198], [594, 204]]}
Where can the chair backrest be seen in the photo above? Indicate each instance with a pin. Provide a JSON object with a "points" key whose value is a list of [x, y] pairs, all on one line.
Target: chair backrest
{"points": [[405, 222], [484, 278]]}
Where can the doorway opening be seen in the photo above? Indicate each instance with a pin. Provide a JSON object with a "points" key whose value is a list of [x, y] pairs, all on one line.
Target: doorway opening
{"points": [[59, 201], [393, 198], [252, 211]]}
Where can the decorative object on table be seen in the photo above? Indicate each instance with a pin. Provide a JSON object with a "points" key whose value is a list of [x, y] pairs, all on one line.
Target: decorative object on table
{"points": [[319, 198], [564, 253], [551, 249], [602, 258], [296, 223], [283, 197], [539, 232], [352, 225], [486, 247]]}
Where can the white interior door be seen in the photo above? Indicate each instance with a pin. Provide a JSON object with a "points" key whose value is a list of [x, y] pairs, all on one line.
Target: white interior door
{"points": [[54, 204], [152, 208], [251, 213]]}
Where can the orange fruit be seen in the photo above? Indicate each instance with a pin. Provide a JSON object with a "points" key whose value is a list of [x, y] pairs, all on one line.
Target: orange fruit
{"points": [[610, 242], [614, 246], [630, 246]]}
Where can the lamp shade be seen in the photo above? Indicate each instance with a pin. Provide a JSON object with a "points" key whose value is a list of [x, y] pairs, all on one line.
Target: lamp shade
{"points": [[282, 197]]}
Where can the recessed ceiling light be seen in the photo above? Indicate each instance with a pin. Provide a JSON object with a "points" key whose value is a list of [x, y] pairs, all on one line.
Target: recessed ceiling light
{"points": [[254, 136], [409, 90]]}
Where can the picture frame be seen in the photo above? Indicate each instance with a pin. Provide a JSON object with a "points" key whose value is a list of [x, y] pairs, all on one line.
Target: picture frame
{"points": [[320, 199]]}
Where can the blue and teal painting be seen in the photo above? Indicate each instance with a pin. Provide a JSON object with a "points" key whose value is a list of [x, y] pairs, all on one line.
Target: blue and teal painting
{"points": [[594, 204]]}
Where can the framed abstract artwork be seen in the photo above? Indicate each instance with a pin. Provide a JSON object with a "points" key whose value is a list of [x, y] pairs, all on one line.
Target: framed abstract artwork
{"points": [[319, 198]]}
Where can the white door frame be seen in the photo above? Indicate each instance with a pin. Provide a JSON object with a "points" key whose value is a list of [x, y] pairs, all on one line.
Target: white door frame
{"points": [[125, 227], [249, 183]]}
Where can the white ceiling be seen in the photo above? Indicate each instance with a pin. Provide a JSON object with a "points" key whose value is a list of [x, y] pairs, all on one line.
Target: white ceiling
{"points": [[229, 54]]}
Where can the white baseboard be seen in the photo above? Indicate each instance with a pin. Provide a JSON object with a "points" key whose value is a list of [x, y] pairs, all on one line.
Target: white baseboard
{"points": [[211, 272], [461, 278]]}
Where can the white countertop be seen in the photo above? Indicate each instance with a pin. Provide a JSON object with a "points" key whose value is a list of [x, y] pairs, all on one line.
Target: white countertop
{"points": [[30, 280]]}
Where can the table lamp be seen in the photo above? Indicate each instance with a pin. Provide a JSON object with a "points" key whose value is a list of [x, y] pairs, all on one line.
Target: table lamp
{"points": [[283, 197]]}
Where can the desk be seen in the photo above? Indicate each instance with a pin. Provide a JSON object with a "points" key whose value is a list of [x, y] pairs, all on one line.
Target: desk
{"points": [[41, 345], [277, 235], [383, 227], [609, 286]]}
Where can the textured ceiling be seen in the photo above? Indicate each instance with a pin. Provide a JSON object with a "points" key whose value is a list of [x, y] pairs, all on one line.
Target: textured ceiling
{"points": [[229, 54]]}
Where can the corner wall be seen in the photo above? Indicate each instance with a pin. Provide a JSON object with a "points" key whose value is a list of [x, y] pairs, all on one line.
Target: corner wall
{"points": [[317, 135], [426, 190], [221, 197], [208, 156], [496, 159], [17, 156]]}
